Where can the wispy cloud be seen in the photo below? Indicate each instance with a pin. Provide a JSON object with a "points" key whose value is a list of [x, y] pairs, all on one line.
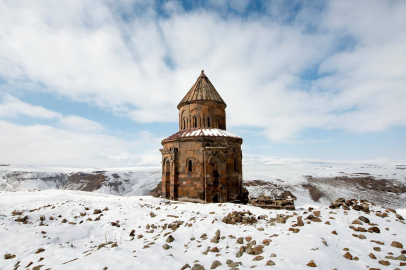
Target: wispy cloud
{"points": [[13, 107], [80, 124]]}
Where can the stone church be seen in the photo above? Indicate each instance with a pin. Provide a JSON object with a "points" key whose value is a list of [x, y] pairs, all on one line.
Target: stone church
{"points": [[202, 162]]}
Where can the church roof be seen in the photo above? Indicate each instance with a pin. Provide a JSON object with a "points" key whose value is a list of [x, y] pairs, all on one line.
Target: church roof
{"points": [[202, 90], [201, 132]]}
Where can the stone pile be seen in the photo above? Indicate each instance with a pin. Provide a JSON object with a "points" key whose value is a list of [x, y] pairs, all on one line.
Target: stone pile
{"points": [[361, 205], [268, 202], [240, 217]]}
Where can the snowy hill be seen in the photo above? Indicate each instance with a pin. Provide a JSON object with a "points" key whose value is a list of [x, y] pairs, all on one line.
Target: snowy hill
{"points": [[82, 230], [311, 181]]}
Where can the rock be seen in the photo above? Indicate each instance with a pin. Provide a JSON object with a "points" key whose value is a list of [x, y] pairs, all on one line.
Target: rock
{"points": [[215, 239], [9, 256], [218, 234], [239, 254], [228, 261], [316, 213], [166, 246], [39, 250], [38, 267], [372, 256], [215, 264], [114, 245], [334, 232], [132, 233], [377, 248], [266, 242], [152, 214], [311, 264], [374, 230], [364, 219], [240, 240], [170, 239], [356, 221], [248, 238], [198, 267], [258, 258], [17, 213], [215, 249], [234, 264], [396, 244], [401, 257], [97, 211], [281, 218], [299, 221], [348, 256], [140, 236], [399, 217], [250, 251], [185, 266], [273, 255], [270, 263], [384, 262], [257, 250], [361, 236]]}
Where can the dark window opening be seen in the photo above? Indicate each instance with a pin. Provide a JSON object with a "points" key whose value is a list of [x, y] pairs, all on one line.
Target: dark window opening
{"points": [[184, 123], [235, 165], [194, 122], [208, 121], [189, 165]]}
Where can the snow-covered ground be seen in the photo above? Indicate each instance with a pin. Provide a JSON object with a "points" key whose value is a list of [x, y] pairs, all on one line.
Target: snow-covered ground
{"points": [[83, 244]]}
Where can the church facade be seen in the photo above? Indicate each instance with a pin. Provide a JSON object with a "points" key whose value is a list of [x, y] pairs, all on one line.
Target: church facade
{"points": [[203, 161]]}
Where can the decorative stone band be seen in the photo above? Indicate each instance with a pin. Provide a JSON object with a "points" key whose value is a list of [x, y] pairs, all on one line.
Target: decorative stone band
{"points": [[201, 132]]}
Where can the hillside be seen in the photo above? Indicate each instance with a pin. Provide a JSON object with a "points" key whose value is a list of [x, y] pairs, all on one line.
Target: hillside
{"points": [[311, 181], [56, 229]]}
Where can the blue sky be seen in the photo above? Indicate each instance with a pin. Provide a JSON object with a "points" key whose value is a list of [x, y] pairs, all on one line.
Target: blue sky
{"points": [[96, 83]]}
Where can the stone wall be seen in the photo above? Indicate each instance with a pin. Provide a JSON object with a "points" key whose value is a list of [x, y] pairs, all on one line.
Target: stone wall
{"points": [[215, 174], [272, 203], [202, 114]]}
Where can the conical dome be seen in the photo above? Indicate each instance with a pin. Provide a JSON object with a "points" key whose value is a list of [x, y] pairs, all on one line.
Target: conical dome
{"points": [[202, 90]]}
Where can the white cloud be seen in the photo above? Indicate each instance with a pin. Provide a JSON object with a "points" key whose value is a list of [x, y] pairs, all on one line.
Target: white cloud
{"points": [[141, 67], [80, 124], [40, 144], [13, 107]]}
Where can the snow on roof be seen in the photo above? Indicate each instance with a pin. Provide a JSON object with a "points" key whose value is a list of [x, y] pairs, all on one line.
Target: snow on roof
{"points": [[201, 132]]}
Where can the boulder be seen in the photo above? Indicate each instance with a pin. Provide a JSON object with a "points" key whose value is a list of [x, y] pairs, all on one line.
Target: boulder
{"points": [[215, 264], [396, 244]]}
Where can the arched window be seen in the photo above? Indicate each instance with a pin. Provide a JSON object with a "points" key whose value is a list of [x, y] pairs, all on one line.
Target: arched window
{"points": [[195, 122], [184, 123], [208, 121], [189, 165]]}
